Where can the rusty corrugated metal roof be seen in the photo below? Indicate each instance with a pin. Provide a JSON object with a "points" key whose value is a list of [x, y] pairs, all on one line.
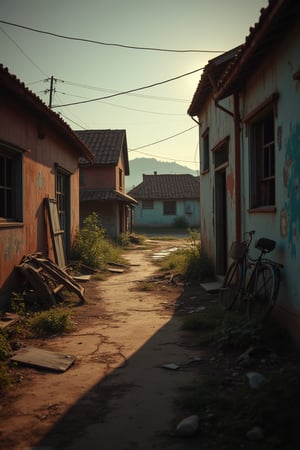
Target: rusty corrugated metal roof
{"points": [[170, 186]]}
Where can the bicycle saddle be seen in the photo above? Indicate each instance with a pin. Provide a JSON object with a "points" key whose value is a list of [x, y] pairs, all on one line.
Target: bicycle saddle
{"points": [[265, 244]]}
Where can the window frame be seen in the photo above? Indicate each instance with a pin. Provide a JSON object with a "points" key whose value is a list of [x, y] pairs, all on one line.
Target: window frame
{"points": [[204, 158], [262, 154], [11, 190], [147, 204], [169, 208]]}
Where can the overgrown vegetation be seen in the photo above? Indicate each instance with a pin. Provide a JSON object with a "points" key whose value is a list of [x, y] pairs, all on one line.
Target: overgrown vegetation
{"points": [[55, 321], [92, 247], [226, 404], [30, 324], [191, 262]]}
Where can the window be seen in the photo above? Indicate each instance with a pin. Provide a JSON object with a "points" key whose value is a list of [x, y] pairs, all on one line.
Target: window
{"points": [[170, 208], [11, 205], [120, 179], [220, 153], [147, 204], [262, 161], [204, 158]]}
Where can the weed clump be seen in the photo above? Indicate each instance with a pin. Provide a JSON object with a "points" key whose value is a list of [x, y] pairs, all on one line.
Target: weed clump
{"points": [[191, 262], [92, 247], [55, 321]]}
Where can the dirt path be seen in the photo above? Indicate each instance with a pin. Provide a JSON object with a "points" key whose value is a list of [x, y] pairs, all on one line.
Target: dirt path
{"points": [[117, 395]]}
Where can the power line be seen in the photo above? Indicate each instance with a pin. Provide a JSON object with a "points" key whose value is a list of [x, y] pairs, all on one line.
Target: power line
{"points": [[85, 86], [92, 41], [165, 157], [162, 140], [130, 90], [125, 107], [22, 51]]}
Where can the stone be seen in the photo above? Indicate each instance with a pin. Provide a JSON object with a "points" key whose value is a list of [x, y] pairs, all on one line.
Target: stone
{"points": [[255, 434], [255, 379], [188, 426]]}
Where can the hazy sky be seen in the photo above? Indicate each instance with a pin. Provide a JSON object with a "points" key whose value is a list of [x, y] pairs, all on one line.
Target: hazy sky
{"points": [[89, 70]]}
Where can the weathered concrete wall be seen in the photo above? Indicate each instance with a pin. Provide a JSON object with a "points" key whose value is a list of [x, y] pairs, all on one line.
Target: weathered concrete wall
{"points": [[283, 224]]}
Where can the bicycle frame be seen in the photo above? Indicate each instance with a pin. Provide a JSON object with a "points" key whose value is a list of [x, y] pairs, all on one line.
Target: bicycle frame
{"points": [[249, 280]]}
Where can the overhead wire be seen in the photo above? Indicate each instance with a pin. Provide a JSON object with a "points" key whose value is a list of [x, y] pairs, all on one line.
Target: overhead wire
{"points": [[130, 90], [126, 107], [92, 41], [131, 94], [22, 51], [162, 140]]}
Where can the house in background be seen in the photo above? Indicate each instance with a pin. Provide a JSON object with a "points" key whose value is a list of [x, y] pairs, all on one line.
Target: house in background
{"points": [[39, 158], [251, 177], [102, 182], [167, 200]]}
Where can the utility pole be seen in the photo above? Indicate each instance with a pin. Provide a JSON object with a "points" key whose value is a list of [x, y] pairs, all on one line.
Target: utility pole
{"points": [[51, 90]]}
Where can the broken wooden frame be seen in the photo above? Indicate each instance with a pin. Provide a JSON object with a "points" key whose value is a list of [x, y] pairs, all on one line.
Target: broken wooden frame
{"points": [[48, 279]]}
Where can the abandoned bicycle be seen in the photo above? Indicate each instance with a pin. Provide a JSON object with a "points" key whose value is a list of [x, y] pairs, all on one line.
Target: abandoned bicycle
{"points": [[253, 282]]}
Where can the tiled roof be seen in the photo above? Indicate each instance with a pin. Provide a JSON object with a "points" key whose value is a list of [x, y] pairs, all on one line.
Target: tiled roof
{"points": [[104, 195], [209, 79], [226, 78], [275, 21], [170, 186], [106, 145], [11, 84]]}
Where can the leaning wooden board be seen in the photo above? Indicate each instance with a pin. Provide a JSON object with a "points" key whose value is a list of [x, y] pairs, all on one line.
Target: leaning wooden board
{"points": [[46, 359]]}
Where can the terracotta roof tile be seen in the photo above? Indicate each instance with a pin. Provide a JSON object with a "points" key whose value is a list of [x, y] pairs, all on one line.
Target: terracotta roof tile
{"points": [[170, 186], [104, 195], [106, 145]]}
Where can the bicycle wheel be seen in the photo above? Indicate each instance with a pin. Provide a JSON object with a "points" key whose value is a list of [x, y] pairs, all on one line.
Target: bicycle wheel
{"points": [[231, 285], [262, 293]]}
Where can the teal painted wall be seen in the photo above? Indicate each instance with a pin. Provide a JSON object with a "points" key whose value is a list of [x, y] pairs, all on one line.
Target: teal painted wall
{"points": [[189, 209]]}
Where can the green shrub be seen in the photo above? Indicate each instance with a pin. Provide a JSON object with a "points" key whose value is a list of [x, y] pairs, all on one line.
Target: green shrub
{"points": [[181, 222], [191, 262], [5, 379], [17, 303], [92, 247], [5, 348], [55, 321]]}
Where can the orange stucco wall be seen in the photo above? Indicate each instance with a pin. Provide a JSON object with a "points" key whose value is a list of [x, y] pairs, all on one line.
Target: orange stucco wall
{"points": [[43, 149]]}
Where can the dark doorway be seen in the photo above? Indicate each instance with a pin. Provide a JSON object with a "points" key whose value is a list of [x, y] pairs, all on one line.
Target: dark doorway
{"points": [[63, 206], [221, 222]]}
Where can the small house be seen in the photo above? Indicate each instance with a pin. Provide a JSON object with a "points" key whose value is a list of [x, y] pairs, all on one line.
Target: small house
{"points": [[167, 201], [102, 182], [248, 115], [39, 159]]}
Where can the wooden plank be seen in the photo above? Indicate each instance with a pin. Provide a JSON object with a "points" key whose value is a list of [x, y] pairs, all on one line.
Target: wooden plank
{"points": [[7, 319], [37, 357], [56, 232]]}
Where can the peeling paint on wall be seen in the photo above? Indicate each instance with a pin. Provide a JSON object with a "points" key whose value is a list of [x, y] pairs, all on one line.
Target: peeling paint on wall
{"points": [[11, 248], [230, 184], [283, 223], [40, 181], [291, 183]]}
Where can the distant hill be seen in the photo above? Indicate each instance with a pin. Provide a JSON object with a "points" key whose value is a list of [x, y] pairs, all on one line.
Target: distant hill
{"points": [[148, 166]]}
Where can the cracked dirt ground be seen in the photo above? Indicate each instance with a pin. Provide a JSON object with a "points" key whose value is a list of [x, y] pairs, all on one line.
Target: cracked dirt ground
{"points": [[117, 395]]}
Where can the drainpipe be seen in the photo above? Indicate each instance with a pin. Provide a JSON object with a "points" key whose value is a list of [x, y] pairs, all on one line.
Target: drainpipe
{"points": [[237, 157], [237, 148]]}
